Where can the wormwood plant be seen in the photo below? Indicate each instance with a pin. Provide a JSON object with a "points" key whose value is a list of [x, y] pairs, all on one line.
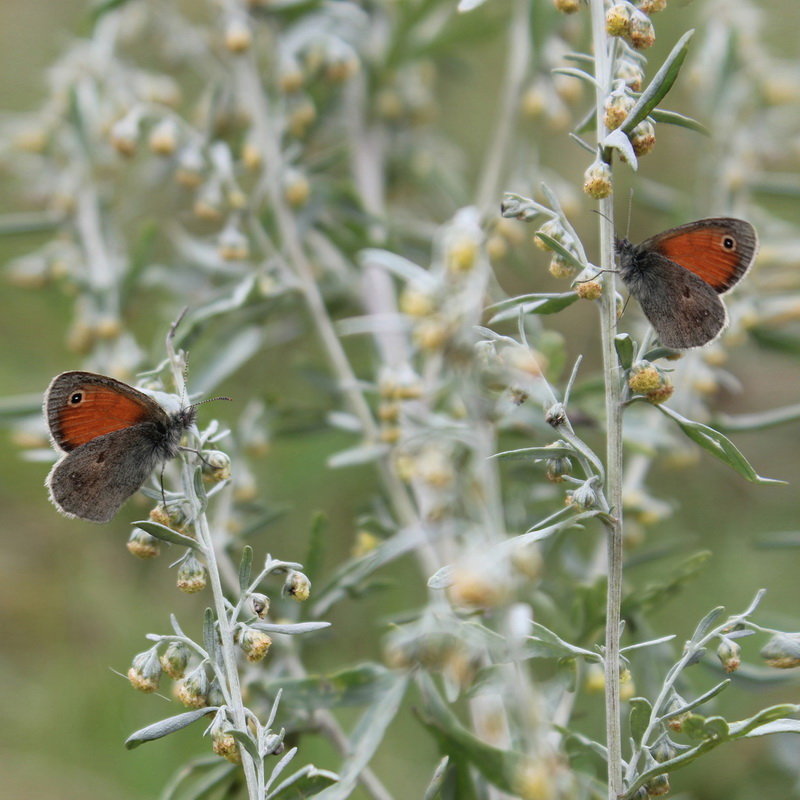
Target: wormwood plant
{"points": [[279, 167]]}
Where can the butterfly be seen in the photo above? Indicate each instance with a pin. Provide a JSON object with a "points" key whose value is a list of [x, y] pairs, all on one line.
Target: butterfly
{"points": [[678, 275]]}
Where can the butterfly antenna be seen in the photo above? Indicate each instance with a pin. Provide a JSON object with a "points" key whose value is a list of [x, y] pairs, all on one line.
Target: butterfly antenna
{"points": [[210, 400]]}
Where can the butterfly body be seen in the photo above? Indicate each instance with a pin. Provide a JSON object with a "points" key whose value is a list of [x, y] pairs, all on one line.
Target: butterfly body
{"points": [[112, 437], [677, 276]]}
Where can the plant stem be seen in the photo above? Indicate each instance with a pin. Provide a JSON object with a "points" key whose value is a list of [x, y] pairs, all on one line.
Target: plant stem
{"points": [[611, 377]]}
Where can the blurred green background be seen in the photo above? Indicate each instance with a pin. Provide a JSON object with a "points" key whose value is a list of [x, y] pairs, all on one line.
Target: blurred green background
{"points": [[73, 600]]}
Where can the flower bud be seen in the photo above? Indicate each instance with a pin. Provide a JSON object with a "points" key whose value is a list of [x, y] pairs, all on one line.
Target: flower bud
{"points": [[561, 268], [238, 36], [782, 651], [191, 574], [556, 415], [729, 653], [163, 139], [145, 671], [259, 604], [216, 465], [651, 6], [631, 73], [254, 644], [296, 188], [556, 468], [125, 134], [416, 302], [616, 109], [567, 6], [663, 750], [677, 722], [191, 167], [223, 744], [555, 230], [174, 660], [585, 496], [643, 138], [589, 290], [273, 744], [618, 20], [172, 516], [597, 182], [644, 377], [193, 689], [142, 545], [297, 586], [641, 33], [658, 786], [232, 244], [462, 254]]}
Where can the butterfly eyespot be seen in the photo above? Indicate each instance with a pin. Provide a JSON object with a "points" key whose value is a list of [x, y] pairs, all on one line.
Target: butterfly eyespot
{"points": [[75, 398], [728, 242]]}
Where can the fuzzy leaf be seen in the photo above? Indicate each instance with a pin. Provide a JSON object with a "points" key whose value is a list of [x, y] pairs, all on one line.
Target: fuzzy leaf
{"points": [[166, 726], [718, 445], [246, 741], [167, 534], [623, 343], [290, 628], [641, 711], [500, 767], [619, 140], [306, 782], [562, 251], [368, 735], [534, 304], [660, 85], [674, 118], [245, 567]]}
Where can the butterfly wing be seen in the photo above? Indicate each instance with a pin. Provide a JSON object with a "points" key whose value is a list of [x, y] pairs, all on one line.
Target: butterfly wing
{"points": [[80, 406], [683, 308], [719, 250], [95, 479]]}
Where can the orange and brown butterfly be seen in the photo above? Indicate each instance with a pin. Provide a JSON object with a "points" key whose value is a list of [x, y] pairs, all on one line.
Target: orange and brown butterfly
{"points": [[678, 275]]}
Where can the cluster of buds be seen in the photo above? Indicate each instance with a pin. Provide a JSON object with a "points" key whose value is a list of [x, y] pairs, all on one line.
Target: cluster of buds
{"points": [[555, 230], [395, 387], [632, 23]]}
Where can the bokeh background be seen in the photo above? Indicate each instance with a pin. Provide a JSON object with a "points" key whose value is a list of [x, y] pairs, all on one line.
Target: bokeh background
{"points": [[74, 605]]}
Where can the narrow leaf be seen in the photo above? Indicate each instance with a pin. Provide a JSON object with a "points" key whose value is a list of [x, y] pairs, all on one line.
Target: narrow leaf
{"points": [[166, 726], [706, 624], [167, 534], [245, 567], [572, 72], [623, 343], [304, 783], [619, 140], [367, 737], [718, 445], [660, 85], [674, 118], [559, 248], [440, 773], [541, 304], [246, 741]]}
